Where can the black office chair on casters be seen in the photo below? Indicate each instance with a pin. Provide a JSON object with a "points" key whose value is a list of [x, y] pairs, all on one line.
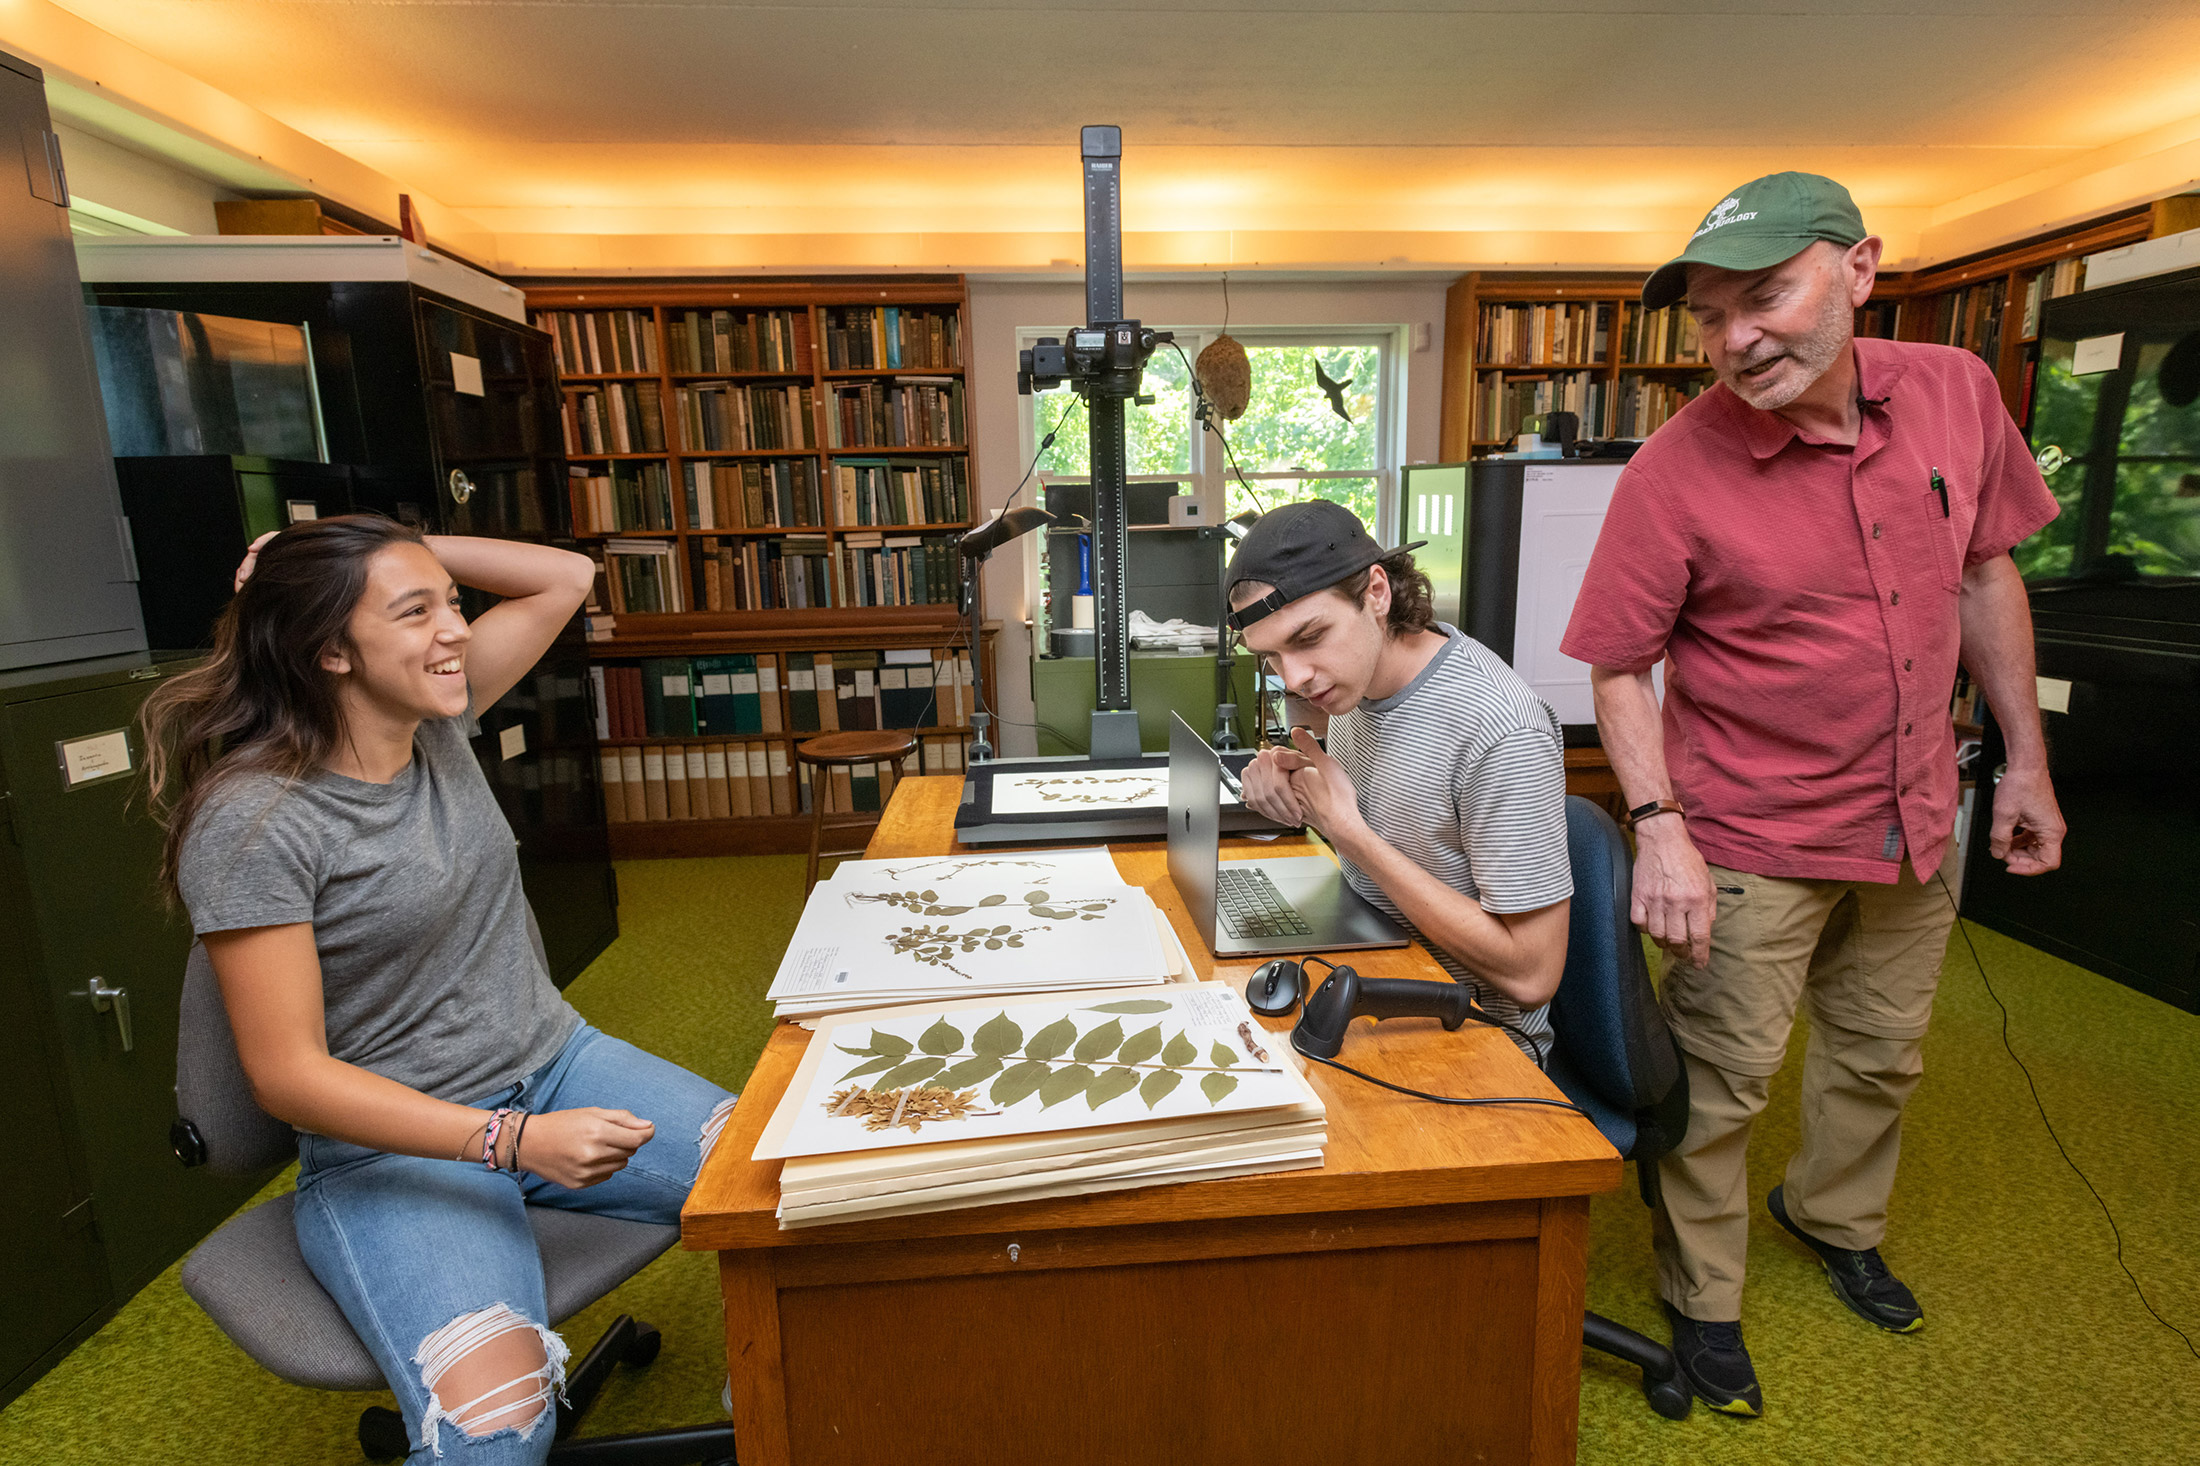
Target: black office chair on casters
{"points": [[1613, 1055], [253, 1281]]}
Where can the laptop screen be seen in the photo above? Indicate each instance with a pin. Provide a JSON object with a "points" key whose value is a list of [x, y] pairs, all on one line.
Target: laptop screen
{"points": [[1195, 822]]}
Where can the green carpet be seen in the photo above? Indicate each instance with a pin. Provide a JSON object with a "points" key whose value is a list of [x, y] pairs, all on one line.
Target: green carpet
{"points": [[2035, 1348]]}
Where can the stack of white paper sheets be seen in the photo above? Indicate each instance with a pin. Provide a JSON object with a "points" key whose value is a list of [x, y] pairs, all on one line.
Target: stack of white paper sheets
{"points": [[932, 1107], [882, 933]]}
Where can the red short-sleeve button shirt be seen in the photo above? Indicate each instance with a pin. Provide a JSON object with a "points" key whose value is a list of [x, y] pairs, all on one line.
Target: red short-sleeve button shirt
{"points": [[1804, 596]]}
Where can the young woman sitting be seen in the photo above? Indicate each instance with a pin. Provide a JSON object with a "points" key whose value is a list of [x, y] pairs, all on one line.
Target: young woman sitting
{"points": [[357, 891]]}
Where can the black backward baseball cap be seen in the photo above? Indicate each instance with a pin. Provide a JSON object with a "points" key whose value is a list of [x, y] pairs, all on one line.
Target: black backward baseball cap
{"points": [[1300, 549]]}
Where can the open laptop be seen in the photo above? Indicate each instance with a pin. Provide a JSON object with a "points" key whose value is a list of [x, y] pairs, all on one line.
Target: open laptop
{"points": [[1255, 908]]}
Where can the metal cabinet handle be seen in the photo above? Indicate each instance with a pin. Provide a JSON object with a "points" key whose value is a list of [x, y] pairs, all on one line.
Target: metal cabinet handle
{"points": [[462, 487], [104, 999]]}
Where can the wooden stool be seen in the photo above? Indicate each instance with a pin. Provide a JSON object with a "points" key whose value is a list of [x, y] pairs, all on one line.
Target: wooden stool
{"points": [[842, 750]]}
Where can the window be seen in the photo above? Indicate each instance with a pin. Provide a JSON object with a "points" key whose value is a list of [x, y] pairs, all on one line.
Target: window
{"points": [[1290, 444]]}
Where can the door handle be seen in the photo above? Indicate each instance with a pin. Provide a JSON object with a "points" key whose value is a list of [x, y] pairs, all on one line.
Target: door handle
{"points": [[117, 1000]]}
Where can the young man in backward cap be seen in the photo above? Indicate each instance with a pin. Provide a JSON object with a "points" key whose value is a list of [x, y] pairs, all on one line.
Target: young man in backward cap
{"points": [[1443, 788], [1809, 545]]}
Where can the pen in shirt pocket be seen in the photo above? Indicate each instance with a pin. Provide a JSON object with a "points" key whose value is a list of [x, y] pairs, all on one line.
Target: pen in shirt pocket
{"points": [[1940, 487]]}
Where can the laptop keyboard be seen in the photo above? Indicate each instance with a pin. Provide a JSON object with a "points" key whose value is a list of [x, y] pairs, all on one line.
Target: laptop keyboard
{"points": [[1251, 906]]}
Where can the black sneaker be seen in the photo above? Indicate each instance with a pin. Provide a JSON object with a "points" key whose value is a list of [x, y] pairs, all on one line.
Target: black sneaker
{"points": [[1860, 1279], [1715, 1364]]}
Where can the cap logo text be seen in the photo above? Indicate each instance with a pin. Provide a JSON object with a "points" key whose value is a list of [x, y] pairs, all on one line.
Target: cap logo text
{"points": [[1721, 216]]}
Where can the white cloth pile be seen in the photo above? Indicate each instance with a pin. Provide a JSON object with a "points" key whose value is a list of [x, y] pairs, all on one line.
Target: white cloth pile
{"points": [[1177, 636]]}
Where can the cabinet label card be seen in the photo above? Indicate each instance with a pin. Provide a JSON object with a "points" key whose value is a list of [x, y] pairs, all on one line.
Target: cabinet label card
{"points": [[2096, 354], [99, 756], [466, 374], [512, 742], [2054, 694]]}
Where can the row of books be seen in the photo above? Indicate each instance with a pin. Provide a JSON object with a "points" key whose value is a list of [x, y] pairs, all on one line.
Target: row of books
{"points": [[641, 576], [617, 417], [899, 570], [628, 496], [1643, 404], [2064, 277], [588, 342], [731, 694], [1539, 335], [1971, 318], [908, 414], [867, 337], [790, 574], [647, 783], [739, 341], [1649, 337], [1503, 403], [779, 493], [725, 417], [880, 491]]}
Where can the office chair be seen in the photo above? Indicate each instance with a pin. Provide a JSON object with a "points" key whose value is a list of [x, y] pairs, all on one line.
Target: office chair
{"points": [[253, 1281], [1613, 1055]]}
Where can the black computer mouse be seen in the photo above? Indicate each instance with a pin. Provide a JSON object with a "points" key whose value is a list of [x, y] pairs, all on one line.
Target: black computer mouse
{"points": [[1275, 988]]}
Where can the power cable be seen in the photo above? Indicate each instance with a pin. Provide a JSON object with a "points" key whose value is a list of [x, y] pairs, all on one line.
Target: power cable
{"points": [[2033, 1085]]}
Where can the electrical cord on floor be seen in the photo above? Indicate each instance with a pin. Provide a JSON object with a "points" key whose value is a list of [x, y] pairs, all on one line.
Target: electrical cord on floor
{"points": [[2031, 1084]]}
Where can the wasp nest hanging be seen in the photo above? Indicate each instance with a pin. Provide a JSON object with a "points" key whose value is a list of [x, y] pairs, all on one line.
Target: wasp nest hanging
{"points": [[1226, 377]]}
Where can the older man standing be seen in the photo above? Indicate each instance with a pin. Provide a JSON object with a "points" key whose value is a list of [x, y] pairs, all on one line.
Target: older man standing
{"points": [[1811, 546]]}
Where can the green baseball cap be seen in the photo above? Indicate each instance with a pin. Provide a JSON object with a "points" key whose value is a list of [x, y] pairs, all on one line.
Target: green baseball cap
{"points": [[1760, 224]]}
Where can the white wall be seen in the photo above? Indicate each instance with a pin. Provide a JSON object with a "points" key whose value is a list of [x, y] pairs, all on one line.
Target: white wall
{"points": [[999, 308], [150, 188]]}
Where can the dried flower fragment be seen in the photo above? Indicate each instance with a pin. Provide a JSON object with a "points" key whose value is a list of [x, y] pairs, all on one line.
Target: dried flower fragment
{"points": [[910, 1108], [1245, 1036]]}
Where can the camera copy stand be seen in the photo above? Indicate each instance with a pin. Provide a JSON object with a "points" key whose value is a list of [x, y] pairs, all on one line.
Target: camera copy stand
{"points": [[1104, 363]]}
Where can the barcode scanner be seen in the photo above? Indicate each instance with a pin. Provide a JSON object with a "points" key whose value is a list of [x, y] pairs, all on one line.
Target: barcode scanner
{"points": [[1346, 995]]}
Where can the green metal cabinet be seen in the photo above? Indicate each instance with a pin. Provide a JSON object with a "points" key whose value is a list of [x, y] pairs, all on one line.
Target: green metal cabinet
{"points": [[1161, 683], [91, 971]]}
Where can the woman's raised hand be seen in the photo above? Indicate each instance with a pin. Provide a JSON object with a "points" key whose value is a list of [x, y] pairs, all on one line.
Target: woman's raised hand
{"points": [[577, 1148], [251, 558]]}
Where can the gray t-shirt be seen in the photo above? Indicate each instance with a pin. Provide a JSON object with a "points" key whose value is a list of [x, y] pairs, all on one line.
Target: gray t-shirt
{"points": [[1463, 771], [428, 973]]}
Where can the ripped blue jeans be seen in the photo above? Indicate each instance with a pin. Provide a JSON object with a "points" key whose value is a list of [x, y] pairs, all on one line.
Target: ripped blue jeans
{"points": [[431, 1258]]}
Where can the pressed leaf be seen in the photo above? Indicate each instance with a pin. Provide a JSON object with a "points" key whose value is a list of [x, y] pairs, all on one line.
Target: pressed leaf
{"points": [[862, 1053], [1158, 1086], [870, 1068], [993, 944], [1051, 913], [928, 895], [1179, 1051], [995, 900], [1021, 1081], [1000, 931], [1216, 1086], [941, 1038], [996, 1036], [946, 910], [883, 1042], [1051, 1040], [1134, 1005], [1111, 1083], [1032, 897], [1140, 1047], [909, 1073], [968, 1072], [1063, 1084], [1221, 1057], [1101, 1042]]}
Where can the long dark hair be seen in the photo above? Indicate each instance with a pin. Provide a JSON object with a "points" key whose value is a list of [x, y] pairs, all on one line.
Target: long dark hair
{"points": [[261, 703], [1412, 596]]}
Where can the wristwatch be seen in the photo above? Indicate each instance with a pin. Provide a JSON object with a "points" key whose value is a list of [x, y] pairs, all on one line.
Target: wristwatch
{"points": [[1642, 812]]}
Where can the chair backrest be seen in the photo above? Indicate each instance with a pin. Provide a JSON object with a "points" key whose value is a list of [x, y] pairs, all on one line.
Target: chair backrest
{"points": [[212, 1093], [1605, 1018]]}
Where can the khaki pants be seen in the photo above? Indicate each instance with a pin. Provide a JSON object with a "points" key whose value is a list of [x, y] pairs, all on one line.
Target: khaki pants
{"points": [[1866, 958]]}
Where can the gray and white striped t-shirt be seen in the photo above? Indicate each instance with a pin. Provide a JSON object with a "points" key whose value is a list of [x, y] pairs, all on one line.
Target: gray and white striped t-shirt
{"points": [[1463, 771]]}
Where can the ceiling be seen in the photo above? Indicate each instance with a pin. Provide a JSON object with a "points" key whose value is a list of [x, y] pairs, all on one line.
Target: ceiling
{"points": [[583, 132]]}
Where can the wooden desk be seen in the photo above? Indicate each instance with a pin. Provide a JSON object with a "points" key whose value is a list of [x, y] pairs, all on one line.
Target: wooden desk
{"points": [[1415, 1300]]}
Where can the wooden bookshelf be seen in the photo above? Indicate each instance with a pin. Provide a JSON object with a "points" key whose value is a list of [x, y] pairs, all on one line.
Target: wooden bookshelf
{"points": [[661, 308], [1607, 374], [1925, 305]]}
